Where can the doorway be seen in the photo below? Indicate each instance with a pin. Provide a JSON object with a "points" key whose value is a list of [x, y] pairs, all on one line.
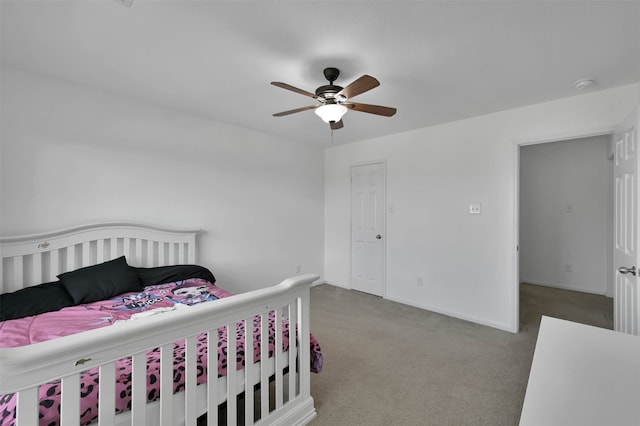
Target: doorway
{"points": [[566, 215]]}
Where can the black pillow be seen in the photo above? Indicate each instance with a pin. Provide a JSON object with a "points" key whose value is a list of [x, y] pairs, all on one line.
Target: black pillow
{"points": [[169, 274], [34, 300], [100, 282]]}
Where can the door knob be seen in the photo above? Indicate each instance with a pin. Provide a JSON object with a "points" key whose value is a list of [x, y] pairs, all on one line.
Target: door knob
{"points": [[378, 237], [625, 270]]}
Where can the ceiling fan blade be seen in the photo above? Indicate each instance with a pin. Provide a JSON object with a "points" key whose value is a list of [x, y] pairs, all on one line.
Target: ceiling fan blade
{"points": [[293, 111], [294, 89], [371, 109], [335, 125], [361, 85]]}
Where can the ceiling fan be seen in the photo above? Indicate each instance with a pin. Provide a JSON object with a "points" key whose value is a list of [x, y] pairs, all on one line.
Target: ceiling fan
{"points": [[334, 101]]}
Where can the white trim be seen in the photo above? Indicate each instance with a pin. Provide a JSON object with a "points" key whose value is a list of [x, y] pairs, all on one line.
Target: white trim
{"points": [[563, 136], [515, 291]]}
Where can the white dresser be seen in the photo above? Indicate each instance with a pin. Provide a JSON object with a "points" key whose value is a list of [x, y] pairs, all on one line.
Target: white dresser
{"points": [[583, 375]]}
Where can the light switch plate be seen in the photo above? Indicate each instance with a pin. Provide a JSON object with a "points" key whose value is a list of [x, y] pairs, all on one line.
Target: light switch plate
{"points": [[475, 208]]}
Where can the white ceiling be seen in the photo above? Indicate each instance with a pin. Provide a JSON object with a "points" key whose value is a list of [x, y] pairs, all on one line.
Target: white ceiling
{"points": [[437, 61]]}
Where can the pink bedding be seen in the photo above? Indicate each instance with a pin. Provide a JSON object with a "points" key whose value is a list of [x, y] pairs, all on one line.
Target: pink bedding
{"points": [[181, 294]]}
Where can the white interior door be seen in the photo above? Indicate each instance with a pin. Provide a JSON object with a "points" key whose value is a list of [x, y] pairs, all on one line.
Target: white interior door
{"points": [[367, 228], [626, 318]]}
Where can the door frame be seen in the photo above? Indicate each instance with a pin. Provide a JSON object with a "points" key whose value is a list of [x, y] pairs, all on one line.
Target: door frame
{"points": [[518, 143], [384, 222]]}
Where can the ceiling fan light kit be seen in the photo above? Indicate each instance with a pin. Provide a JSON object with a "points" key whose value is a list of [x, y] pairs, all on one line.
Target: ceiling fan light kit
{"points": [[333, 100], [331, 112]]}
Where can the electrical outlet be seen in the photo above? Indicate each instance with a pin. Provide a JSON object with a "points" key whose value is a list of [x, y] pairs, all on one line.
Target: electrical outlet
{"points": [[568, 268], [298, 269], [420, 282]]}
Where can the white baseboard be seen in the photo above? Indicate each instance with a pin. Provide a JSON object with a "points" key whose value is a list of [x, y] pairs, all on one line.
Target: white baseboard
{"points": [[426, 307], [564, 287], [336, 284], [319, 282], [454, 314]]}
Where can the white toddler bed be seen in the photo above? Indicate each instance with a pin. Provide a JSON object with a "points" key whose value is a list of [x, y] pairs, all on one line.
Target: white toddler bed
{"points": [[34, 259]]}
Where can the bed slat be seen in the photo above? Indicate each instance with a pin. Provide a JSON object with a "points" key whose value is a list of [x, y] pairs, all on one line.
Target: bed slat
{"points": [[303, 336], [293, 350], [113, 246], [126, 247], [100, 251], [166, 385], [264, 375], [138, 258], [107, 386], [36, 277], [86, 253], [71, 258], [161, 254], [248, 378], [231, 374], [138, 389], [54, 265], [212, 378], [277, 353], [172, 254], [70, 400], [18, 271], [149, 262], [190, 372], [28, 407]]}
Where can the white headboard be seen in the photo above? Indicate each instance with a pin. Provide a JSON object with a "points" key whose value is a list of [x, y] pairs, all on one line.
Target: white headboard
{"points": [[33, 259]]}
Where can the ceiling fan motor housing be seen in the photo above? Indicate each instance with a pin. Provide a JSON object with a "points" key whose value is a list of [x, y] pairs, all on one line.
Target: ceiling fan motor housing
{"points": [[331, 74], [329, 91]]}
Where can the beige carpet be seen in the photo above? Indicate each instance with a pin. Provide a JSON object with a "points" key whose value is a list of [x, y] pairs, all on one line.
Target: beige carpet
{"points": [[391, 364]]}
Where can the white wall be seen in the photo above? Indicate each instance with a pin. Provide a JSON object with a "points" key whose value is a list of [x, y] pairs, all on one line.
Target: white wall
{"points": [[468, 262], [72, 155], [564, 214]]}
